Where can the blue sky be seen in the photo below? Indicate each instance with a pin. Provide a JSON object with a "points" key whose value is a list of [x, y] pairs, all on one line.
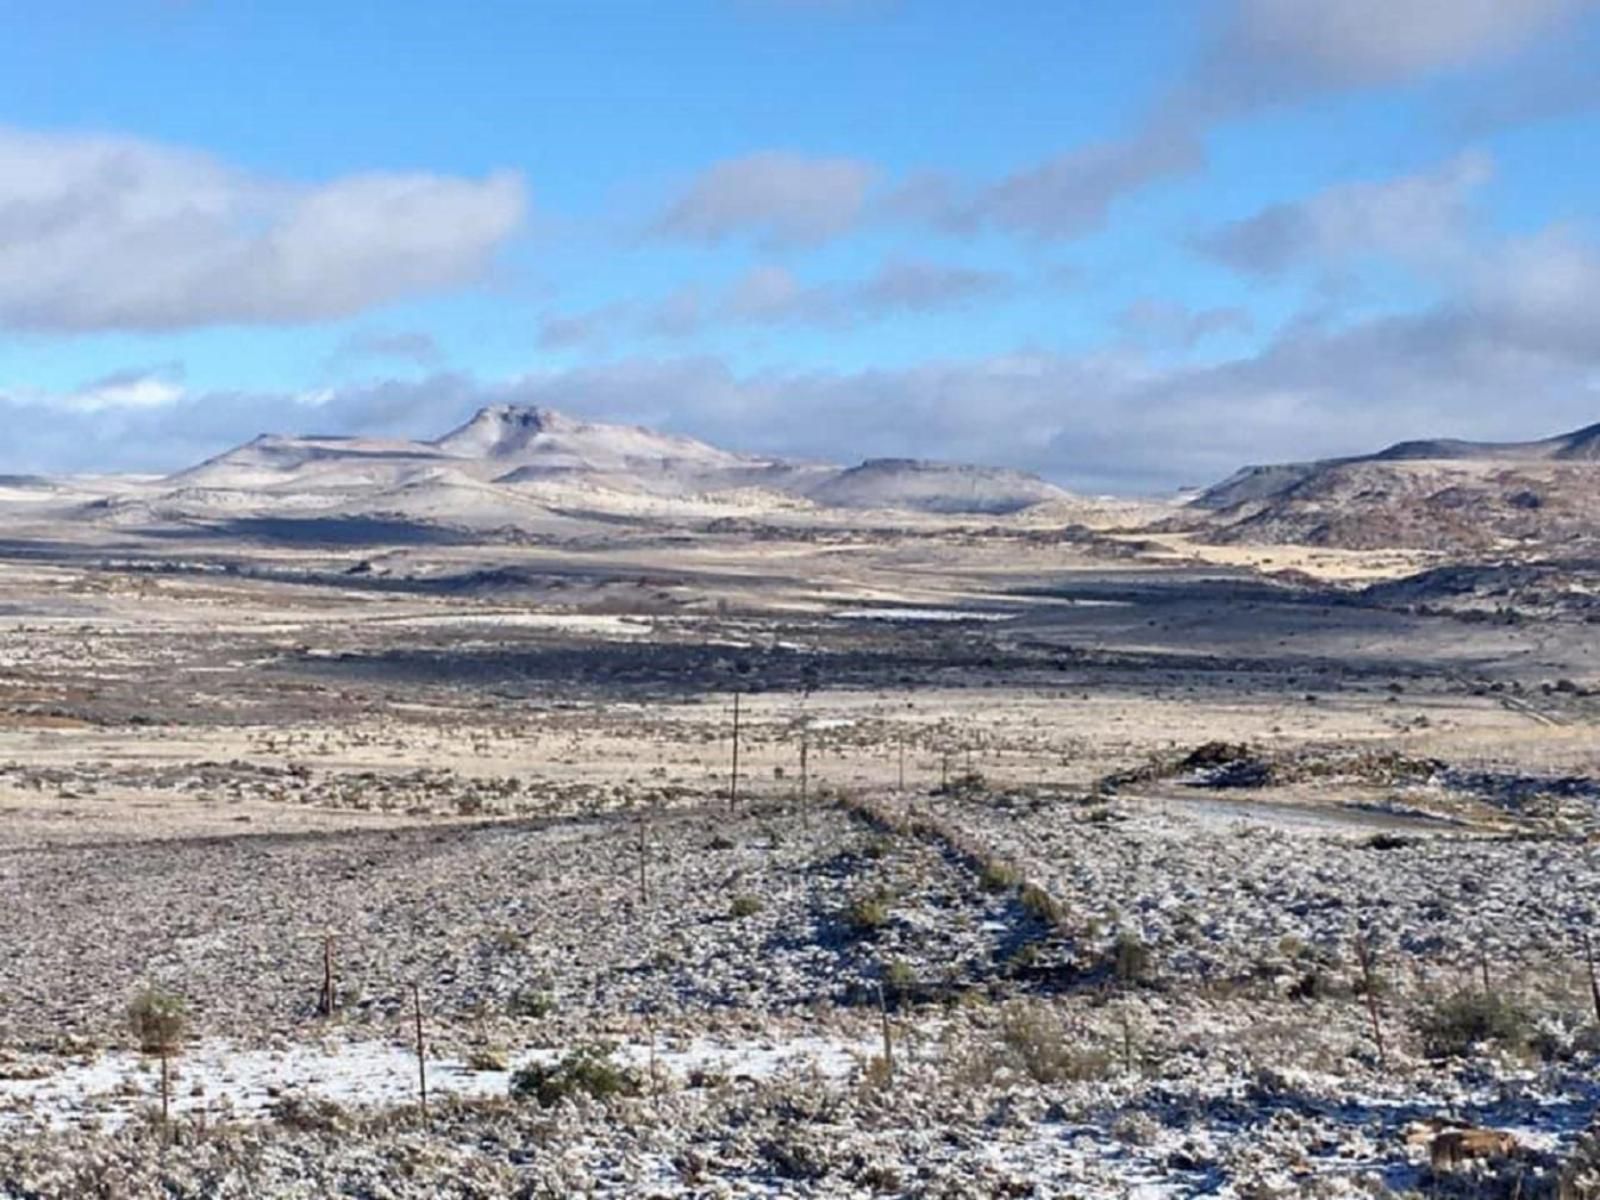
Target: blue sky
{"points": [[1129, 246]]}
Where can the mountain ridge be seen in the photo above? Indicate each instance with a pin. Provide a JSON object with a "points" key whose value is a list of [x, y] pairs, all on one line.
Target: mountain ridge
{"points": [[516, 446], [1441, 494]]}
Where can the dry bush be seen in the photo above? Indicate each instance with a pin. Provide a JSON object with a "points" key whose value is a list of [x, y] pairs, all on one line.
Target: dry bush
{"points": [[867, 914], [1033, 1039], [1040, 904], [1130, 958], [999, 876], [158, 1020]]}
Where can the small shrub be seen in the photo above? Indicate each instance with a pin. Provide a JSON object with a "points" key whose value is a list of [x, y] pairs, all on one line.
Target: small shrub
{"points": [[310, 1114], [509, 941], [1463, 1020], [587, 1071], [1040, 904], [531, 1003], [1130, 958], [744, 906], [965, 786], [867, 915], [999, 876], [487, 1058], [157, 1020], [899, 978], [1022, 959], [1315, 984], [1035, 1040]]}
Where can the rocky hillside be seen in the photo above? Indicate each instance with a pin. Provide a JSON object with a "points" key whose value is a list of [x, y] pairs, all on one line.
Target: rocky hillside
{"points": [[1444, 495]]}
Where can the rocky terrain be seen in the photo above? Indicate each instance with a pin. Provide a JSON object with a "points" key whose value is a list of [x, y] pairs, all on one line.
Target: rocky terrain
{"points": [[1453, 496], [746, 842]]}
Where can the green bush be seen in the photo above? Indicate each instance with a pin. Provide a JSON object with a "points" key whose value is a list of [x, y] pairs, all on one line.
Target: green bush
{"points": [[1454, 1025], [587, 1071], [744, 906]]}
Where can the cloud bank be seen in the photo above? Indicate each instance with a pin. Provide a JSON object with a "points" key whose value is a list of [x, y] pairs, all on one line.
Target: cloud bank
{"points": [[105, 233]]}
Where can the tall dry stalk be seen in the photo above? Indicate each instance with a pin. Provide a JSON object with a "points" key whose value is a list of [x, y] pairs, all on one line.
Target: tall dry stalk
{"points": [[422, 1060], [733, 778], [888, 1036], [1364, 955], [1594, 981]]}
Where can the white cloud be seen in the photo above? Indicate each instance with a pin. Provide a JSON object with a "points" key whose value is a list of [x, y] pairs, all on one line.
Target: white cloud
{"points": [[1163, 323], [1271, 51], [139, 388], [1421, 218], [777, 197], [1523, 329], [768, 294], [114, 233], [1072, 194]]}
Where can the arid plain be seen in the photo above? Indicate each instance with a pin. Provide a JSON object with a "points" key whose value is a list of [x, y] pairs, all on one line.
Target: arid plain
{"points": [[733, 847]]}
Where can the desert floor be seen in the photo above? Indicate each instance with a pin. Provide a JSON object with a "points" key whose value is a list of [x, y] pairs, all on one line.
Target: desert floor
{"points": [[1049, 869]]}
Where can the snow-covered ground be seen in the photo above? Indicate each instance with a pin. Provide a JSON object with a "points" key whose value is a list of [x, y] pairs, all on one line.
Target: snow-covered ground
{"points": [[221, 1079]]}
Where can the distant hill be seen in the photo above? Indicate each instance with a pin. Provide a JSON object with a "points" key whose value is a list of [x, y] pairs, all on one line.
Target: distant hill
{"points": [[931, 487], [1437, 494], [526, 451]]}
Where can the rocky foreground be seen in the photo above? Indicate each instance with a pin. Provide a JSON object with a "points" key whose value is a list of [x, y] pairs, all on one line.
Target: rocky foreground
{"points": [[953, 995]]}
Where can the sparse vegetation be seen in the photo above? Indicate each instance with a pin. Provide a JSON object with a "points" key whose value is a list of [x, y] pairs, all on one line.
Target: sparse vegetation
{"points": [[158, 1020], [487, 1058], [867, 914], [588, 1070], [744, 905], [899, 979], [1130, 958], [1040, 904], [1458, 1023], [968, 785], [1033, 1038], [998, 876], [531, 1003]]}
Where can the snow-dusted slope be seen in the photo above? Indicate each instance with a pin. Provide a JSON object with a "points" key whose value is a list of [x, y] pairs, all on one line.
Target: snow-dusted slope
{"points": [[521, 453], [1439, 494], [932, 487]]}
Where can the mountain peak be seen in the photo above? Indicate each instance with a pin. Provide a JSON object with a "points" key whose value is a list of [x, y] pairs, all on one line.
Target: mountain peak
{"points": [[502, 430]]}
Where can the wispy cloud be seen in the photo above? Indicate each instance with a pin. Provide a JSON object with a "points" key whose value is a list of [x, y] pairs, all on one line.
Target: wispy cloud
{"points": [[1418, 217], [778, 198], [419, 349], [769, 294]]}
